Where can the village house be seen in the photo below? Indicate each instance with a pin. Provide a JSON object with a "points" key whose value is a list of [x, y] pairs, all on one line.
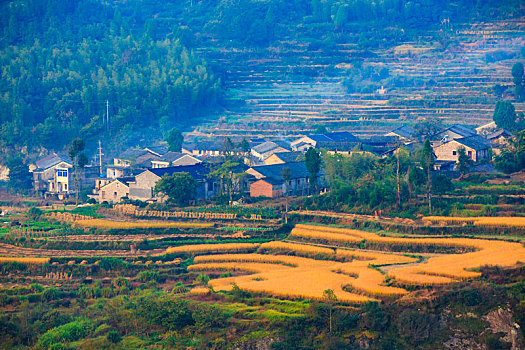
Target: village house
{"points": [[143, 187], [453, 132], [266, 149], [269, 181], [379, 145], [500, 137], [115, 172], [138, 158], [204, 148], [486, 129], [283, 157], [344, 148], [114, 191], [174, 159], [476, 147], [52, 177], [403, 133], [305, 142]]}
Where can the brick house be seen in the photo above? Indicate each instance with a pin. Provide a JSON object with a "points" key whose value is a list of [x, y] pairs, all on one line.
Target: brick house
{"points": [[266, 187], [114, 191], [142, 188], [476, 147], [298, 183]]}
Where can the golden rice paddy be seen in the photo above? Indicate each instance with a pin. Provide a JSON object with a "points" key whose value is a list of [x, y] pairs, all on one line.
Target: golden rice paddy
{"points": [[24, 260], [355, 276]]}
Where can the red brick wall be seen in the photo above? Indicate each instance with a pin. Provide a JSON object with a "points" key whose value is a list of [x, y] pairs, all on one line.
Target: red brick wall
{"points": [[262, 188]]}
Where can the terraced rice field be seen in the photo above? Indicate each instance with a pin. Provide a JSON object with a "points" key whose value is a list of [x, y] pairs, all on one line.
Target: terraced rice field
{"points": [[353, 274], [133, 238], [451, 84], [8, 250], [480, 220]]}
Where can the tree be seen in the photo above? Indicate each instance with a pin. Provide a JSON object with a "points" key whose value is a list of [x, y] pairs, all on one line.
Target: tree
{"points": [[512, 158], [441, 184], [330, 298], [227, 148], [427, 162], [179, 187], [464, 161], [286, 174], [80, 160], [175, 140], [505, 115], [518, 78], [231, 179], [19, 175], [313, 165], [341, 17], [320, 129], [244, 147], [427, 127]]}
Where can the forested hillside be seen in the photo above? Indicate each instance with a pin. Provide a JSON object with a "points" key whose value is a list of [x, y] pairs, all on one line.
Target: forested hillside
{"points": [[62, 60], [165, 64]]}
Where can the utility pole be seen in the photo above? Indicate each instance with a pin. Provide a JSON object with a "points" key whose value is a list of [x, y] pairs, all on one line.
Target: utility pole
{"points": [[100, 157], [107, 114]]}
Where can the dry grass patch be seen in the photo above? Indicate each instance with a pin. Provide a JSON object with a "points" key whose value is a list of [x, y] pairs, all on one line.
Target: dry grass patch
{"points": [[498, 221], [24, 260], [110, 224]]}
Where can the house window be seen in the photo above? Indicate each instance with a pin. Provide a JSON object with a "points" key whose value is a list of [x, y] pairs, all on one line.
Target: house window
{"points": [[115, 194], [62, 173], [470, 153], [65, 187], [454, 153]]}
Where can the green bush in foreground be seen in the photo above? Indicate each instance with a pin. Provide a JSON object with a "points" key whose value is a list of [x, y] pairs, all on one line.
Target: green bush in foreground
{"points": [[66, 333]]}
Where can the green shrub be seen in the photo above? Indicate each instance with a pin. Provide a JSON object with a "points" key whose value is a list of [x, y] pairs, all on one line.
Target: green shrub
{"points": [[34, 213], [165, 310], [114, 337], [149, 275], [66, 333], [209, 316]]}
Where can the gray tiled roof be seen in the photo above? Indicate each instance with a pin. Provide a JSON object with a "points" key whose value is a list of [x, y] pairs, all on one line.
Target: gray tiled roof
{"points": [[265, 147], [475, 142], [404, 131], [288, 157], [171, 156], [52, 160]]}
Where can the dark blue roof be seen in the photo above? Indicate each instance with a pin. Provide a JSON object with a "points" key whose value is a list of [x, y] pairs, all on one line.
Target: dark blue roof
{"points": [[298, 170], [197, 171], [339, 136]]}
